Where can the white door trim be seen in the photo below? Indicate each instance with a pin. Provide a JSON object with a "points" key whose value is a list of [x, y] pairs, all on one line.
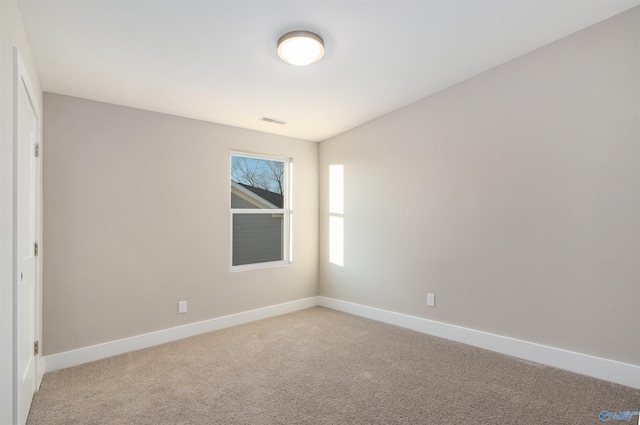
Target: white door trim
{"points": [[21, 76]]}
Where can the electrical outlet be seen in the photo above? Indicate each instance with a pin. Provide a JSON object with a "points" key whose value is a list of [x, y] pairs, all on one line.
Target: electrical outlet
{"points": [[182, 307], [431, 300]]}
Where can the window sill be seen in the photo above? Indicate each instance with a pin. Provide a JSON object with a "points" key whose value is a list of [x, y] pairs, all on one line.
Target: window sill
{"points": [[258, 266]]}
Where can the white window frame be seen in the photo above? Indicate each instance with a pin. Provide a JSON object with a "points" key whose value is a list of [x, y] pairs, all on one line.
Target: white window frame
{"points": [[286, 211]]}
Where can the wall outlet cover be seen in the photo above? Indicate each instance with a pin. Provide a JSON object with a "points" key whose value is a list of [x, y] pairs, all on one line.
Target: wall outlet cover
{"points": [[182, 307], [431, 300]]}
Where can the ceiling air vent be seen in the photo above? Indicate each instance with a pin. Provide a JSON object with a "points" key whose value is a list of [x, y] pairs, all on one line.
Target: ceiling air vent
{"points": [[273, 120]]}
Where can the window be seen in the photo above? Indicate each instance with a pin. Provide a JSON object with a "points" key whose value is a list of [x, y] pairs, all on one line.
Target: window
{"points": [[260, 211]]}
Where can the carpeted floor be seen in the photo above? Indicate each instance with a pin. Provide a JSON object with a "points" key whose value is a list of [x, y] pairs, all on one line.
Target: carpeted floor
{"points": [[320, 366]]}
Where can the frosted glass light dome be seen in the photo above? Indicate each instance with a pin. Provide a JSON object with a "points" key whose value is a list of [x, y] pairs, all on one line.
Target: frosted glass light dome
{"points": [[300, 48]]}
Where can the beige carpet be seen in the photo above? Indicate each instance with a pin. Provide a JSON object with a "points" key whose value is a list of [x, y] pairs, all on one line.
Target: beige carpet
{"points": [[319, 366]]}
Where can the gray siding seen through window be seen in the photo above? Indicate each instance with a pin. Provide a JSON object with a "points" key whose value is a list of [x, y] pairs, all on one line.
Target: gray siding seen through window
{"points": [[257, 238]]}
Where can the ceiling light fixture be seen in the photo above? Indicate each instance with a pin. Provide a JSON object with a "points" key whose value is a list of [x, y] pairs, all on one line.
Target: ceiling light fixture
{"points": [[300, 48]]}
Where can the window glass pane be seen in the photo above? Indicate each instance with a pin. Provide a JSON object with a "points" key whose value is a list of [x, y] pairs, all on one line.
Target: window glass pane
{"points": [[257, 238], [257, 183]]}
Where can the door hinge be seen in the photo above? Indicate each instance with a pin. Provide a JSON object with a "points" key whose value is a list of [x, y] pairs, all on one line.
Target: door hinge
{"points": [[37, 150], [35, 249], [35, 348]]}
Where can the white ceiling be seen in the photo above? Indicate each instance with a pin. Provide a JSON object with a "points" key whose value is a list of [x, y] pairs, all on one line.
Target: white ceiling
{"points": [[217, 60]]}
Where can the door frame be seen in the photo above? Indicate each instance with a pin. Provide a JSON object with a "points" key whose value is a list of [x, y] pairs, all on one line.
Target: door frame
{"points": [[21, 76]]}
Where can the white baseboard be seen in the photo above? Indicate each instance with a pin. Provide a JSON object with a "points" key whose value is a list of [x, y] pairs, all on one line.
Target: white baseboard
{"points": [[121, 346], [584, 364]]}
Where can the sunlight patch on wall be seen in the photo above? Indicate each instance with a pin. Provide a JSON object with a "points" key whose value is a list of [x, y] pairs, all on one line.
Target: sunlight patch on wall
{"points": [[336, 189], [336, 212], [336, 240]]}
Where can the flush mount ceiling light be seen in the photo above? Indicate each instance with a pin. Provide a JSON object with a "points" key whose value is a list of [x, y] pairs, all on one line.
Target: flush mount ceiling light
{"points": [[300, 48]]}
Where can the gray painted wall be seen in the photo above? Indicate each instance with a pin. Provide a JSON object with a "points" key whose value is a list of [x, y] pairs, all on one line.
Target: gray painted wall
{"points": [[137, 218], [513, 196]]}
